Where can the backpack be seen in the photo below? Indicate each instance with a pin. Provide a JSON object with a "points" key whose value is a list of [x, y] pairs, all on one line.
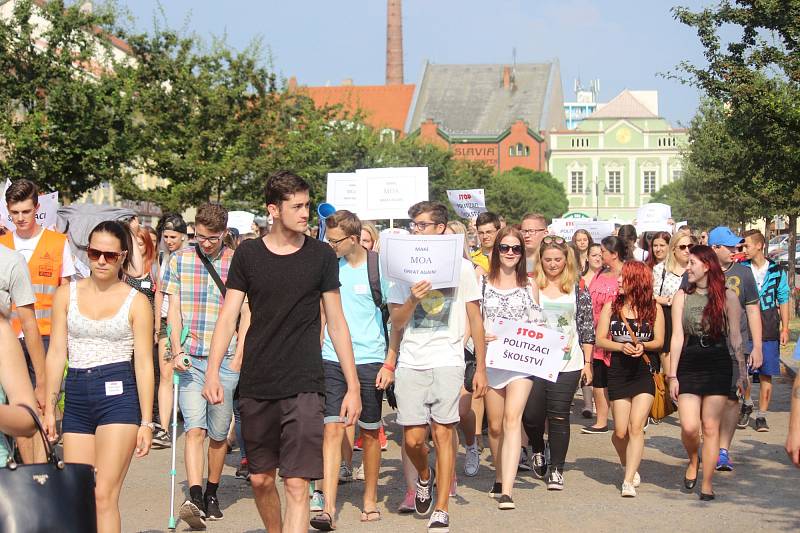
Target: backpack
{"points": [[374, 276]]}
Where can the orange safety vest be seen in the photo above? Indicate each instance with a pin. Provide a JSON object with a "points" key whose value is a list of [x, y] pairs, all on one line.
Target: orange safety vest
{"points": [[45, 267]]}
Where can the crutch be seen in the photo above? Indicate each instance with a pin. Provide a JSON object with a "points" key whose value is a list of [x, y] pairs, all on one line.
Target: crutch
{"points": [[173, 472]]}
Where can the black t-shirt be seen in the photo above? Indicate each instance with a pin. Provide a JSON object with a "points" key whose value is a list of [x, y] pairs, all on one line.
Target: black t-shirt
{"points": [[282, 354]]}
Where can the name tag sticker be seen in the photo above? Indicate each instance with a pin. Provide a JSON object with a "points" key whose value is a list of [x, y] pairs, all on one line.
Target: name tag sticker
{"points": [[361, 289], [145, 284], [113, 388]]}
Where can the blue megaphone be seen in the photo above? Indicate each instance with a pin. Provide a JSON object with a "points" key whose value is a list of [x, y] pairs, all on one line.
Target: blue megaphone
{"points": [[324, 210]]}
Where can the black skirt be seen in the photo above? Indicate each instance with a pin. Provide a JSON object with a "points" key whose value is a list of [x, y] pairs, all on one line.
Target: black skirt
{"points": [[705, 367], [629, 376], [667, 327]]}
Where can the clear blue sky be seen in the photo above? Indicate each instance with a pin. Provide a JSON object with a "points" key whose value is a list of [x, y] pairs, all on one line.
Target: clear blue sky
{"points": [[624, 43]]}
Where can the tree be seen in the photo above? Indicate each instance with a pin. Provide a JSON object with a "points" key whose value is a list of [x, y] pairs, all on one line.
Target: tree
{"points": [[757, 77], [62, 113], [520, 190]]}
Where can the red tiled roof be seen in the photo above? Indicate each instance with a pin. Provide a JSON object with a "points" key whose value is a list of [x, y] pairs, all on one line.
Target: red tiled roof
{"points": [[385, 106]]}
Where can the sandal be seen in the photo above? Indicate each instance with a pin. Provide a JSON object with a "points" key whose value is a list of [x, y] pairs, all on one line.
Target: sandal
{"points": [[323, 522], [371, 516]]}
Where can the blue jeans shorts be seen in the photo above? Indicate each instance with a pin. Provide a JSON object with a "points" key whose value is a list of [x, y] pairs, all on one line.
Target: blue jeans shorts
{"points": [[101, 395], [197, 412], [336, 388], [772, 359]]}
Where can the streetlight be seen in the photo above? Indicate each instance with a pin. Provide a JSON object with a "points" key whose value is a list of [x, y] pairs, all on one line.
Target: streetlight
{"points": [[597, 195]]}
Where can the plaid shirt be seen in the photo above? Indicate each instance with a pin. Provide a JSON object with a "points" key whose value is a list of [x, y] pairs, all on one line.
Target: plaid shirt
{"points": [[201, 300]]}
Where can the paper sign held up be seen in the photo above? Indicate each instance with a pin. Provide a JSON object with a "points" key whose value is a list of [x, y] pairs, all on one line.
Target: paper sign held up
{"points": [[413, 258], [468, 203]]}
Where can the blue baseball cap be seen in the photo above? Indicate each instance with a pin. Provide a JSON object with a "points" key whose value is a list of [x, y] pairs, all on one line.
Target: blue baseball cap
{"points": [[723, 236]]}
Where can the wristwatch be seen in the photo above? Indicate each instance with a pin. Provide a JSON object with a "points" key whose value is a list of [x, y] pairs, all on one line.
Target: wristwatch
{"points": [[151, 425]]}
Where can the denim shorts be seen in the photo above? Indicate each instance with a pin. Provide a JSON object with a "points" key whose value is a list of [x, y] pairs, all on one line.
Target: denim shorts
{"points": [[772, 359], [336, 388], [98, 396], [197, 412]]}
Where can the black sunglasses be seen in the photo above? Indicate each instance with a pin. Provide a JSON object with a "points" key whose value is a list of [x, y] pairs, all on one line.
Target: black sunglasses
{"points": [[554, 239], [516, 249], [110, 257], [682, 247]]}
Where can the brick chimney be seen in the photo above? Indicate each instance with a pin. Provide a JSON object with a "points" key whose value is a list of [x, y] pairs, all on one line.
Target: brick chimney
{"points": [[394, 42], [507, 77]]}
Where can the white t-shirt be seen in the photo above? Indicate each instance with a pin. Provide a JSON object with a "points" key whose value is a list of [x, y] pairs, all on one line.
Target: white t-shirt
{"points": [[759, 273], [434, 336], [27, 246]]}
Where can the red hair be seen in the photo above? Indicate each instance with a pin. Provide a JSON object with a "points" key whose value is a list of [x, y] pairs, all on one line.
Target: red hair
{"points": [[637, 282], [714, 313], [149, 254]]}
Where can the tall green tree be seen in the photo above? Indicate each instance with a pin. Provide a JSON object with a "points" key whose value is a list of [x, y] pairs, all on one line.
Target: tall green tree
{"points": [[520, 190], [62, 111]]}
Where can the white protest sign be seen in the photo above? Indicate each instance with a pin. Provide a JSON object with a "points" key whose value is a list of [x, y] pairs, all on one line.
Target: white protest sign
{"points": [[527, 348], [242, 221], [46, 215], [346, 191], [566, 227], [468, 203], [413, 258], [389, 192], [653, 217]]}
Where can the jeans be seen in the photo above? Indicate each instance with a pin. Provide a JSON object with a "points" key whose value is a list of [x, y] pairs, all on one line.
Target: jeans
{"points": [[551, 402], [237, 428]]}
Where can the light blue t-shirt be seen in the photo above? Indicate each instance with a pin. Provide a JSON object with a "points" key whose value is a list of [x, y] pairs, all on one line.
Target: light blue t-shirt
{"points": [[363, 317]]}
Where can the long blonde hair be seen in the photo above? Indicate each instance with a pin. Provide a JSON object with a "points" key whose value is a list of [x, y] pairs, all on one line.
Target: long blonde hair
{"points": [[670, 262], [456, 226], [569, 276]]}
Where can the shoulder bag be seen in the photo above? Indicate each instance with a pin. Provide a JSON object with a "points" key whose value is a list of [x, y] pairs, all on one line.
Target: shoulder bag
{"points": [[662, 403], [46, 497]]}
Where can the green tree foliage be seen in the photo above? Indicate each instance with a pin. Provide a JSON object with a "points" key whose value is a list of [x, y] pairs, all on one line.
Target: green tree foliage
{"points": [[520, 190], [62, 112]]}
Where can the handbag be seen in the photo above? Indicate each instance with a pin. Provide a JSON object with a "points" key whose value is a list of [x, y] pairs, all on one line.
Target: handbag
{"points": [[663, 405], [46, 497]]}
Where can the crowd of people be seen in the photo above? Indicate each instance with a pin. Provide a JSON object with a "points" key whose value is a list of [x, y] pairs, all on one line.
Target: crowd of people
{"points": [[284, 344]]}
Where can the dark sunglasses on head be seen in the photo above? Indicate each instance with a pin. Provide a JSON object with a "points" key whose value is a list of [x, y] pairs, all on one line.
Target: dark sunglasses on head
{"points": [[550, 239], [110, 257], [516, 249], [682, 247]]}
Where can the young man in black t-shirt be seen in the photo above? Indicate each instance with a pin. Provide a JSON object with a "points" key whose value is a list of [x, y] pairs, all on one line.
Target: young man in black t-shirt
{"points": [[284, 275]]}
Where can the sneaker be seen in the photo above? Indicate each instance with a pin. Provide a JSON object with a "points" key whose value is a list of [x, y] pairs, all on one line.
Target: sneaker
{"points": [[317, 502], [637, 480], [345, 473], [382, 439], [496, 490], [454, 487], [407, 505], [744, 416], [192, 513], [213, 512], [524, 459], [591, 430], [439, 522], [724, 463], [538, 465], [423, 499], [357, 444], [472, 461], [555, 479], [161, 437], [358, 473], [628, 490], [505, 503], [646, 424], [761, 424], [243, 472]]}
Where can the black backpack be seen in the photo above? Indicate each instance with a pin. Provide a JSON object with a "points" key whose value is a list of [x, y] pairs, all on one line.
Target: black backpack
{"points": [[374, 276]]}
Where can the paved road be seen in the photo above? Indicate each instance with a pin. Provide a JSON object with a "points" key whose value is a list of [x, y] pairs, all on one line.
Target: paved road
{"points": [[760, 495]]}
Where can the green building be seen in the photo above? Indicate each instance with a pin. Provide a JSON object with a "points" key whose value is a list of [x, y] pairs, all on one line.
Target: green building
{"points": [[617, 157]]}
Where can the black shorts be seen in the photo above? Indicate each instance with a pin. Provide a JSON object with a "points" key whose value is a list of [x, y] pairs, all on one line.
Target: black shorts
{"points": [[599, 374], [162, 330], [31, 373], [336, 388], [284, 434]]}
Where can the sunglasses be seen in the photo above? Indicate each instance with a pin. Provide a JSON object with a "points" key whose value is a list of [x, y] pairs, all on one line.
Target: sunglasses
{"points": [[110, 257], [550, 239], [515, 249], [683, 247]]}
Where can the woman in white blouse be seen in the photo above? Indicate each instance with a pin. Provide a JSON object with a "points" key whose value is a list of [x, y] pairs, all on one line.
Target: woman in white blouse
{"points": [[667, 277]]}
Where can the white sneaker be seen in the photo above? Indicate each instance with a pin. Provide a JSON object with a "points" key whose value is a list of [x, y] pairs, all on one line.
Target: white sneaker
{"points": [[637, 480], [358, 473], [472, 461], [345, 473], [628, 490]]}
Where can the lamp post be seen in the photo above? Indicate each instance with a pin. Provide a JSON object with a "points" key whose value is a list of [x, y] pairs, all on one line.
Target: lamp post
{"points": [[597, 195]]}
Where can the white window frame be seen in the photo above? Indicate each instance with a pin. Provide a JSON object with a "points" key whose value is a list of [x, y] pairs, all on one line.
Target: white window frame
{"points": [[573, 175], [649, 174], [610, 185]]}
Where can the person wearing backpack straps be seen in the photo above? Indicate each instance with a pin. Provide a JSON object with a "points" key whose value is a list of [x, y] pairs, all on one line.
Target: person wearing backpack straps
{"points": [[194, 284], [362, 292]]}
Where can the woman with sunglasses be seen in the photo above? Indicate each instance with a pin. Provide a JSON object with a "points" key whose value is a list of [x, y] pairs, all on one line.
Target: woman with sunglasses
{"points": [[103, 323], [667, 277], [631, 328], [566, 308], [603, 289], [705, 319], [507, 294]]}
